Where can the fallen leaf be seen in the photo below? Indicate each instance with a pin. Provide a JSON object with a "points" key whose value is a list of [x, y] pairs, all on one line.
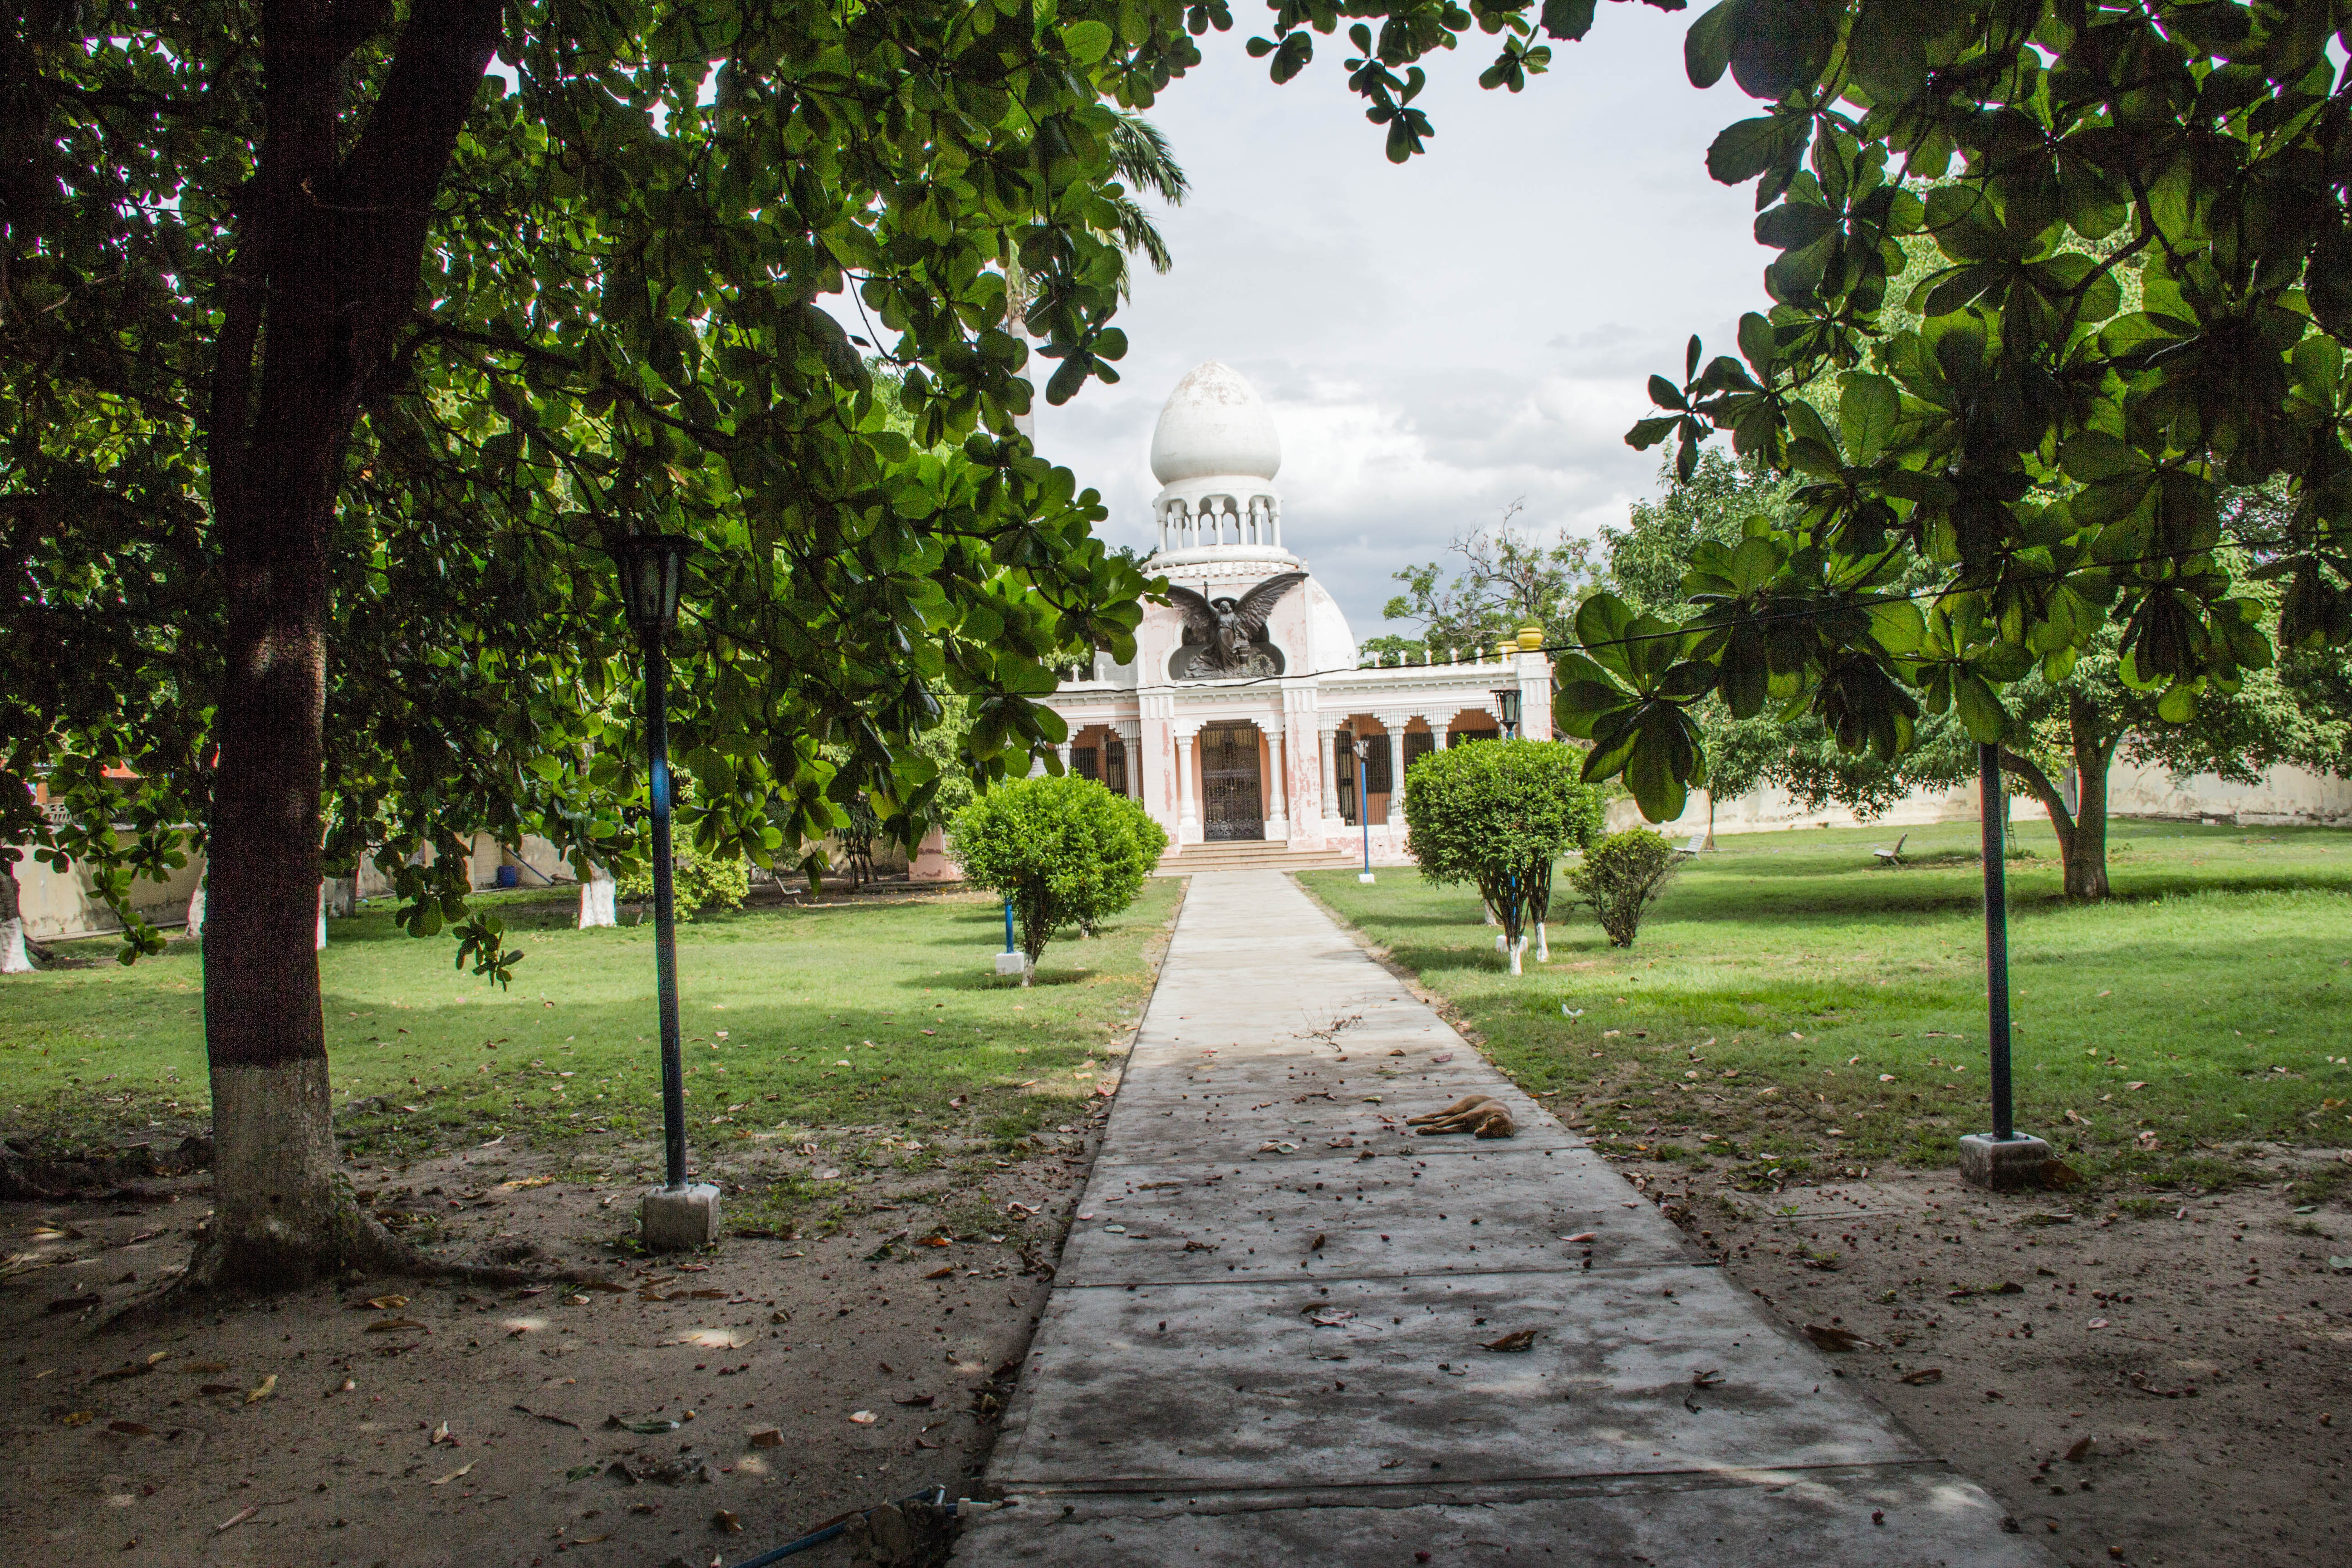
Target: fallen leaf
{"points": [[2081, 1450], [724, 1521], [394, 1325], [1836, 1339], [527, 1182], [605, 1285], [383, 1304], [78, 1419], [1925, 1374], [768, 1438], [453, 1475], [262, 1390], [936, 1241], [1517, 1340], [1328, 1317], [864, 1417], [1581, 1235], [708, 1295], [711, 1339], [239, 1517], [1711, 1378], [1316, 1245], [941, 1272], [440, 1434], [128, 1369], [646, 1425], [922, 1401]]}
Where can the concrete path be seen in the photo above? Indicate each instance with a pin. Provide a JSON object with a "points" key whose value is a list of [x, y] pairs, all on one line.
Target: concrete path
{"points": [[1265, 1343]]}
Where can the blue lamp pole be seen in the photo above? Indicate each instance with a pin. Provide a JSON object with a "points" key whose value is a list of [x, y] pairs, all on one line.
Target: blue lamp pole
{"points": [[1362, 750], [651, 565]]}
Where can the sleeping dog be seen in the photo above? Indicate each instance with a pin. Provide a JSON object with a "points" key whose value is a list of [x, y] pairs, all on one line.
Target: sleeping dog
{"points": [[1480, 1114]]}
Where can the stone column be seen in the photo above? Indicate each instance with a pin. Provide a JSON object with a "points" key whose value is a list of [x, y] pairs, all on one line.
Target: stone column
{"points": [[1277, 809], [1535, 696], [1188, 822], [1063, 752], [1326, 740], [1395, 724], [1130, 740]]}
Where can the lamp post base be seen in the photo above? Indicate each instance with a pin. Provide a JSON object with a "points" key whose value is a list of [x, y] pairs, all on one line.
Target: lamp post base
{"points": [[2002, 1164], [1012, 964], [679, 1219], [1363, 876]]}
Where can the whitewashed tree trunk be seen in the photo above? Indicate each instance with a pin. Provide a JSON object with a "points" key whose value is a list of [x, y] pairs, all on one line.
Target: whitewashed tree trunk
{"points": [[596, 895], [322, 915], [1490, 916], [1518, 950], [196, 911], [14, 959], [1543, 944]]}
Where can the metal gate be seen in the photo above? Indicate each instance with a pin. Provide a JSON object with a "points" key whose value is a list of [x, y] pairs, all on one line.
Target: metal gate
{"points": [[1229, 806]]}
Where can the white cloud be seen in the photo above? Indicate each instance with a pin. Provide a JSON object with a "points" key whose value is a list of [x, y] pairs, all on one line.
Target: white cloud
{"points": [[1438, 339]]}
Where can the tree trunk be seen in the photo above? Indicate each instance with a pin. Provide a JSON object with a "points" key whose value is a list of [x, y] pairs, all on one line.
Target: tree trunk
{"points": [[325, 273], [195, 929], [596, 900], [2082, 834], [14, 959]]}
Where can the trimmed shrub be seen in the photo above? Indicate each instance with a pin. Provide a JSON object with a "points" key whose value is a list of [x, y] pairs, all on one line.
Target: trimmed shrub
{"points": [[1621, 877], [696, 883], [1499, 816], [1064, 852]]}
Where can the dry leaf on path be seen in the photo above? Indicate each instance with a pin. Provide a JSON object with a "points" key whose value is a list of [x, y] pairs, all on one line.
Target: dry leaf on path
{"points": [[922, 1401], [440, 1434], [381, 1304], [768, 1438], [1581, 1235], [262, 1390], [724, 1521], [2082, 1449], [1835, 1339], [239, 1517], [864, 1417], [1711, 1378], [605, 1285], [78, 1419], [1925, 1375], [1517, 1340], [941, 1272], [453, 1475], [396, 1325], [712, 1340]]}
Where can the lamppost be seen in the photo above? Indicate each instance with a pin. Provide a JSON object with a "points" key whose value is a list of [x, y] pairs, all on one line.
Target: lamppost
{"points": [[676, 1216], [1506, 703], [2008, 1158], [1360, 748]]}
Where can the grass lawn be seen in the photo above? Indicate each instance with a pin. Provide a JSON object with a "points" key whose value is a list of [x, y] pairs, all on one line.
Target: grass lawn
{"points": [[867, 1013], [1794, 1006]]}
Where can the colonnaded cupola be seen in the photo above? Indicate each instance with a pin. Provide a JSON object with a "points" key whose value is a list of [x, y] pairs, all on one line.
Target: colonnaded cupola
{"points": [[1248, 712]]}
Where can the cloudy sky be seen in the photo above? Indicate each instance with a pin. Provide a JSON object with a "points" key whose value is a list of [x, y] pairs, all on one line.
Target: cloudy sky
{"points": [[1438, 340]]}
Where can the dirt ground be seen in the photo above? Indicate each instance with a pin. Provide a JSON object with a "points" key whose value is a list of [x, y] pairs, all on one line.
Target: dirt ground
{"points": [[2156, 1389], [698, 1411]]}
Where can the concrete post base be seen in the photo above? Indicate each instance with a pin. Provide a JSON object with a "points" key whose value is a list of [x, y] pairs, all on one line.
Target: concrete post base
{"points": [[1012, 964], [679, 1219], [2002, 1164], [1363, 876]]}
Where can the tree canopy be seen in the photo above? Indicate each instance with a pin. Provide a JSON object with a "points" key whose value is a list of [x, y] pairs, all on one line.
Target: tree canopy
{"points": [[2141, 296], [1062, 850], [335, 362]]}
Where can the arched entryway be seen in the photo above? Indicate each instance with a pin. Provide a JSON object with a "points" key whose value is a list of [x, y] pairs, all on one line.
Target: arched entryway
{"points": [[1233, 793]]}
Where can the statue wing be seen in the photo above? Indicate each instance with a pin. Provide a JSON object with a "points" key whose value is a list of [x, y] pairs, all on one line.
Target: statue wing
{"points": [[1199, 620], [1258, 603]]}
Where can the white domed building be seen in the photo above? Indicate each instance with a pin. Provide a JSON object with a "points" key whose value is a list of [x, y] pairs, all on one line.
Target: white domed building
{"points": [[1237, 723]]}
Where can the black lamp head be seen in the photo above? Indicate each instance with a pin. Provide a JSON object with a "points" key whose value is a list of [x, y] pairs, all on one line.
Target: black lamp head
{"points": [[1506, 700], [651, 565]]}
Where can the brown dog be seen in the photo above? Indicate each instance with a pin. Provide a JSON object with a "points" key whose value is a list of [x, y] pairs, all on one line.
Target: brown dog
{"points": [[1478, 1114]]}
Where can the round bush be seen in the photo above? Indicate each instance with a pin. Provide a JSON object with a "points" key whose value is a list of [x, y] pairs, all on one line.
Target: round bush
{"points": [[1499, 815], [696, 883], [1064, 852], [1621, 877]]}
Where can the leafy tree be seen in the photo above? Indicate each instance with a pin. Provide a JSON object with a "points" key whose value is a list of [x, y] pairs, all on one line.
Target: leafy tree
{"points": [[2142, 295], [1508, 578], [2081, 722], [307, 323], [1063, 850], [1499, 817], [698, 882], [1621, 877]]}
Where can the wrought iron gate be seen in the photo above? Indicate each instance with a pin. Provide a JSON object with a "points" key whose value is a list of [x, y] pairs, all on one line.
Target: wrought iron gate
{"points": [[1230, 806]]}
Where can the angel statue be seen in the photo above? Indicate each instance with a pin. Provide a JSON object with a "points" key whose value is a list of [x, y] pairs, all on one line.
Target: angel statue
{"points": [[1226, 630]]}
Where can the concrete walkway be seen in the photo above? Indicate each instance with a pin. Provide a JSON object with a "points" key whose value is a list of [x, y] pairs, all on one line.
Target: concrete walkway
{"points": [[1265, 1343]]}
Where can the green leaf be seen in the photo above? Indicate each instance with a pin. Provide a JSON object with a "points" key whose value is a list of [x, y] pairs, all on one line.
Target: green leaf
{"points": [[1707, 47], [1087, 41], [1867, 409]]}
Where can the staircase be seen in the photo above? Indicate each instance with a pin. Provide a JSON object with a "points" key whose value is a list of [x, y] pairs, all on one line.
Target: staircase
{"points": [[1248, 855]]}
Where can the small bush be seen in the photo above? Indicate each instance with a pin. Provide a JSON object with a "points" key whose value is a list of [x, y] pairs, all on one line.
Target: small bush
{"points": [[1499, 816], [696, 884], [1064, 852], [1621, 877]]}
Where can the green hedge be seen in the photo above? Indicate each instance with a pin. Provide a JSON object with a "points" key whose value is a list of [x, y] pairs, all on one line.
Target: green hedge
{"points": [[1064, 852]]}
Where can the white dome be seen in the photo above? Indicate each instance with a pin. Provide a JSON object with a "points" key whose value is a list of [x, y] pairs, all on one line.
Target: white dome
{"points": [[1212, 424]]}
